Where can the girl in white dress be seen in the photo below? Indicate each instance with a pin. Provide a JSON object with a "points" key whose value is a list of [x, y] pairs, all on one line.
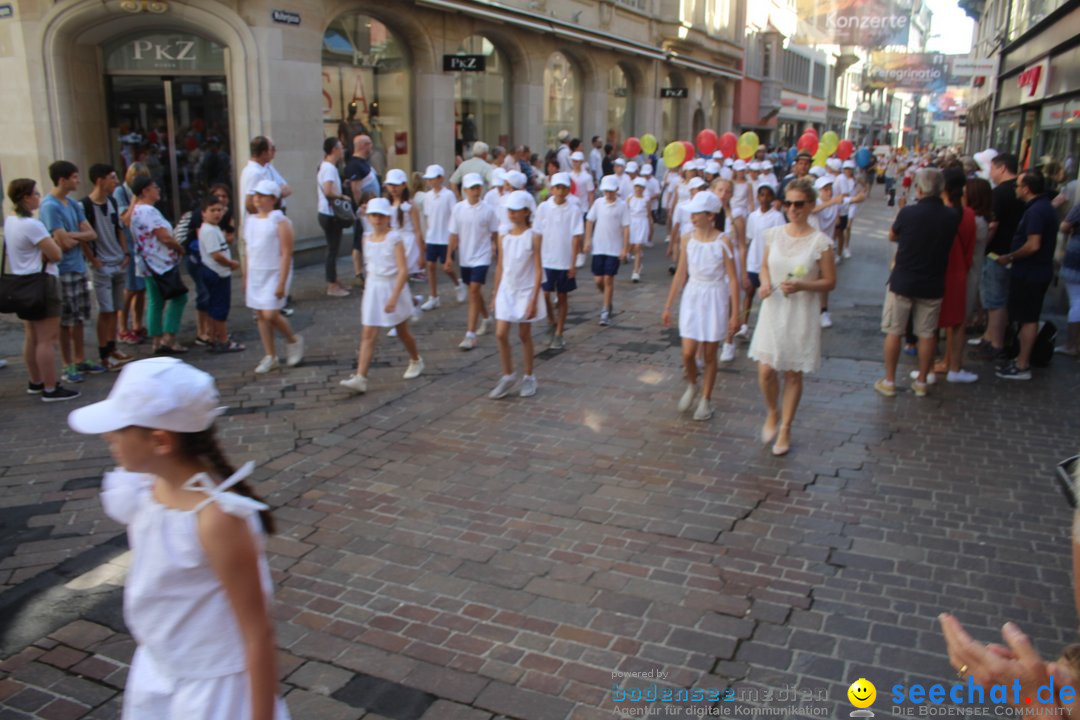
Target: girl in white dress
{"points": [[640, 224], [386, 303], [706, 267], [268, 239], [733, 224], [405, 219], [197, 596], [518, 275], [797, 266]]}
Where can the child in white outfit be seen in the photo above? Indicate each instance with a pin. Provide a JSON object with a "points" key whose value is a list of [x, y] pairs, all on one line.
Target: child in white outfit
{"points": [[197, 597]]}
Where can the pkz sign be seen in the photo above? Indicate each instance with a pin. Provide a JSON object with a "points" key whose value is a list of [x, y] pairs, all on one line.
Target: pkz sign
{"points": [[464, 63], [674, 92], [165, 52]]}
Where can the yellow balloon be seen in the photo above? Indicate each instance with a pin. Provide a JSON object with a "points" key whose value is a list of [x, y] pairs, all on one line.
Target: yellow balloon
{"points": [[821, 156], [751, 140], [648, 143], [744, 150], [830, 141], [674, 154]]}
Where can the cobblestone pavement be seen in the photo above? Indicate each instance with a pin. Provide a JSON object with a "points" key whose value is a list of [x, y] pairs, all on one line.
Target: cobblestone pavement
{"points": [[444, 556]]}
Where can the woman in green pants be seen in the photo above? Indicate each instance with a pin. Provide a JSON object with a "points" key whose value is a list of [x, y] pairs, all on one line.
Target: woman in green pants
{"points": [[155, 244]]}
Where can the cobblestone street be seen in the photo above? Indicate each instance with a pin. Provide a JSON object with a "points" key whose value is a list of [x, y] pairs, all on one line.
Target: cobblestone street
{"points": [[447, 557]]}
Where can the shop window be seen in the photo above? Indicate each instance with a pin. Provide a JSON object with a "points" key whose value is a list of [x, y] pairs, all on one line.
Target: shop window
{"points": [[671, 110], [482, 99], [367, 88], [620, 113], [562, 98]]}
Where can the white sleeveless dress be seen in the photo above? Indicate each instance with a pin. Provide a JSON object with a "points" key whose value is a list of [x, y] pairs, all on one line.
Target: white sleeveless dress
{"points": [[640, 223], [190, 662], [263, 247], [380, 266], [788, 332], [518, 279], [408, 234], [706, 299]]}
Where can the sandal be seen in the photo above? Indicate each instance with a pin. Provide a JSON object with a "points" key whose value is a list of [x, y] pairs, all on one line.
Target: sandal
{"points": [[203, 342], [171, 350], [228, 347]]}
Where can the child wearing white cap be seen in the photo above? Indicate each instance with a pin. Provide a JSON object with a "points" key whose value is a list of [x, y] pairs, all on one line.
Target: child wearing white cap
{"points": [[405, 218], [640, 226], [706, 275], [561, 225], [518, 276], [856, 193], [474, 232], [626, 187], [825, 217], [765, 217], [652, 191], [198, 593], [681, 222], [269, 240], [438, 206], [584, 190], [607, 237], [387, 302]]}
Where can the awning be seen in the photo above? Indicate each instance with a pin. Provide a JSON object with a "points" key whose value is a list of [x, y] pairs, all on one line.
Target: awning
{"points": [[536, 22]]}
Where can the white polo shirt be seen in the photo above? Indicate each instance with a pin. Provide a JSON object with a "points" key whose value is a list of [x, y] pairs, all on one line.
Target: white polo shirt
{"points": [[437, 211], [473, 225], [583, 185], [608, 220], [558, 224]]}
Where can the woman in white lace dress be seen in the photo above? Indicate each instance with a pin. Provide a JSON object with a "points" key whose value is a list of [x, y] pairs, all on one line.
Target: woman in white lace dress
{"points": [[798, 265]]}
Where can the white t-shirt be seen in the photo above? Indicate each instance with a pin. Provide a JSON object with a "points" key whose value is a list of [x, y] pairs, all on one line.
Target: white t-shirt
{"points": [[145, 219], [212, 240], [277, 177], [681, 223], [825, 219], [252, 174], [22, 236], [652, 190], [626, 186], [473, 225], [328, 173], [756, 225], [583, 185], [438, 207], [608, 220], [845, 186], [558, 224]]}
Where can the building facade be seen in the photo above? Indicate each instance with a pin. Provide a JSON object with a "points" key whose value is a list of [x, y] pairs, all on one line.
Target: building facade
{"points": [[185, 84]]}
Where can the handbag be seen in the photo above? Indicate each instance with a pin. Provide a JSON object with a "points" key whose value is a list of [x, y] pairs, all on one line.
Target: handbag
{"points": [[169, 283], [343, 212], [24, 295]]}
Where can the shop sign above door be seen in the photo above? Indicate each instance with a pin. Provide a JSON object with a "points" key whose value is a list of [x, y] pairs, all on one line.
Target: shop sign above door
{"points": [[163, 52], [674, 92], [285, 17], [464, 63]]}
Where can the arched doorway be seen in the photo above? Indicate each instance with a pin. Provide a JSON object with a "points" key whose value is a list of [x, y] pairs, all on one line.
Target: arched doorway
{"points": [[620, 110], [698, 122], [481, 98], [562, 98], [671, 108], [367, 88]]}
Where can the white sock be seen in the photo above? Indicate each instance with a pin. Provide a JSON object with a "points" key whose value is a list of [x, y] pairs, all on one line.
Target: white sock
{"points": [[470, 334]]}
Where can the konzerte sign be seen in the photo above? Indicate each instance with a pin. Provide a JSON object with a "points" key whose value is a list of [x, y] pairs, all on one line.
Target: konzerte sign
{"points": [[866, 23]]}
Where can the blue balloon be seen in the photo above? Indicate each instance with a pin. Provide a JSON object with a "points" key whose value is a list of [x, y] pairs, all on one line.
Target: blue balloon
{"points": [[792, 153], [862, 157]]}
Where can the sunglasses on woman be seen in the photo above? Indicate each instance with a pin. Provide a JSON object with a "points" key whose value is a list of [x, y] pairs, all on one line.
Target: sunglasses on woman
{"points": [[797, 204]]}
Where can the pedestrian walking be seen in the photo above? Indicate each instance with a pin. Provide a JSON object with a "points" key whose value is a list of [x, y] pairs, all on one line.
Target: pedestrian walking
{"points": [[560, 223], [474, 232], [607, 237], [438, 207], [764, 217], [640, 224]]}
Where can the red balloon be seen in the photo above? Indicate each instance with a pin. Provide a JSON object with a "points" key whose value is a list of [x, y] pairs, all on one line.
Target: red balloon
{"points": [[844, 149], [631, 147], [811, 131], [707, 141], [728, 144], [808, 142], [691, 153]]}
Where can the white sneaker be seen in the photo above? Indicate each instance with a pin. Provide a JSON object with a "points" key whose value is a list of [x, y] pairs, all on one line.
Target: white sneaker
{"points": [[826, 320], [727, 352], [703, 412], [687, 398], [415, 368], [485, 323], [337, 292], [294, 351], [931, 378], [744, 332], [528, 386], [961, 376], [356, 383], [468, 343], [605, 317], [502, 389], [461, 292], [580, 261], [432, 303], [267, 364], [847, 254], [417, 313], [635, 277], [392, 333]]}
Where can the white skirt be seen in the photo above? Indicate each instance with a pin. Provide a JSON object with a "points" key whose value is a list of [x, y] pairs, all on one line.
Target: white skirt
{"points": [[150, 693], [639, 230], [703, 311], [512, 305], [260, 287], [377, 292], [412, 252]]}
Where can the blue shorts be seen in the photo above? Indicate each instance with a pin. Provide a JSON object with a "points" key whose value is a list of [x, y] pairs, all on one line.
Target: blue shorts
{"points": [[477, 274], [558, 281], [218, 293], [755, 279], [133, 282], [436, 253], [994, 285], [605, 265]]}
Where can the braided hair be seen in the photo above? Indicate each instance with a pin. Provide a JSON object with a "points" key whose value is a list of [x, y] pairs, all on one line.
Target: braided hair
{"points": [[204, 446]]}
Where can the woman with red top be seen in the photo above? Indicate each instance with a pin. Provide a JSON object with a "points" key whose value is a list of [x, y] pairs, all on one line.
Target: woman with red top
{"points": [[954, 304]]}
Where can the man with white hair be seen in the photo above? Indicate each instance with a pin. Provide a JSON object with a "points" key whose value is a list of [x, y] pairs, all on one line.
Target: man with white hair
{"points": [[478, 164]]}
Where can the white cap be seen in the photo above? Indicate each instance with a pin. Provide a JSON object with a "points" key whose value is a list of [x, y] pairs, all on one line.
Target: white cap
{"points": [[161, 393], [378, 206], [822, 182], [705, 202], [718, 155], [433, 171], [520, 200], [817, 171], [472, 180], [697, 183], [833, 164], [646, 170], [849, 165], [728, 162], [620, 161], [755, 166], [640, 182], [396, 176], [267, 187], [578, 156], [563, 134], [516, 179], [609, 184], [726, 174], [498, 177], [712, 167], [739, 165], [560, 178], [631, 167]]}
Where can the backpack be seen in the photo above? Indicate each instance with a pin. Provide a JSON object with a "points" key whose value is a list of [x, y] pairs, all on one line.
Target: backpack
{"points": [[1042, 352], [91, 217], [183, 234]]}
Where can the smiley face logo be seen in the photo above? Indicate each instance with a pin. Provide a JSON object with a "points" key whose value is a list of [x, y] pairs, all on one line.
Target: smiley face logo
{"points": [[862, 693]]}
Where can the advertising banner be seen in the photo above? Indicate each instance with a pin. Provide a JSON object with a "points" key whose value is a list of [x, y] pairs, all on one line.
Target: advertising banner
{"points": [[865, 23], [914, 72]]}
